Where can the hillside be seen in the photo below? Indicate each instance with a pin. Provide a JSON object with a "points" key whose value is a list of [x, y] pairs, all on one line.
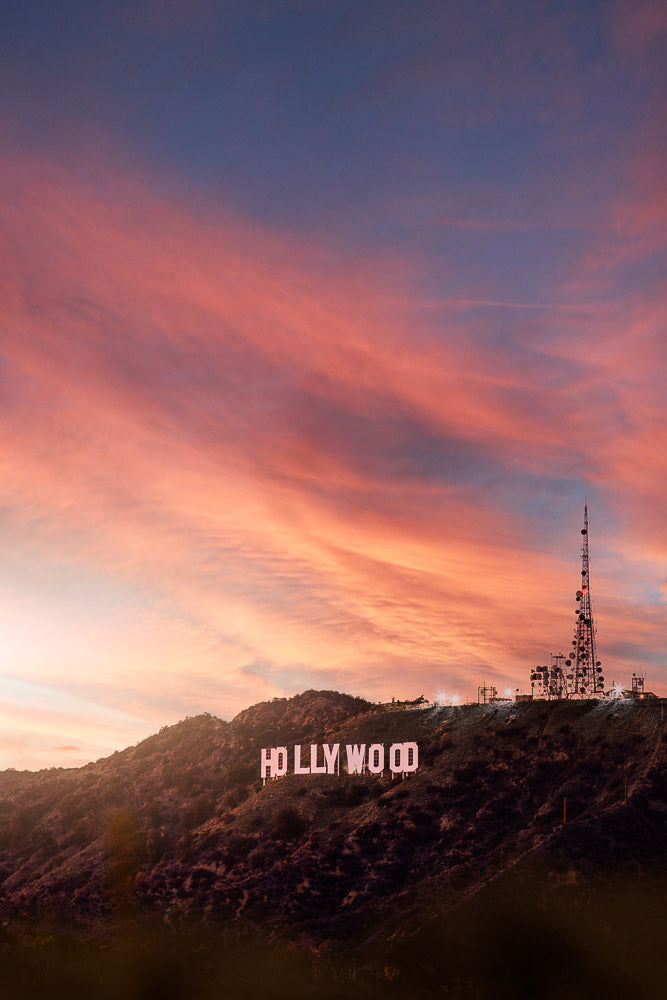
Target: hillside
{"points": [[362, 871]]}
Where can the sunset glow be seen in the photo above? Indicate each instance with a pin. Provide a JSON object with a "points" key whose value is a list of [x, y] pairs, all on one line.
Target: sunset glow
{"points": [[312, 395]]}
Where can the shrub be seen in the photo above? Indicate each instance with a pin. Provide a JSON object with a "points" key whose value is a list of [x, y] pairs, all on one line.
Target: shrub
{"points": [[235, 797], [240, 774], [237, 848], [201, 809], [289, 824], [352, 792]]}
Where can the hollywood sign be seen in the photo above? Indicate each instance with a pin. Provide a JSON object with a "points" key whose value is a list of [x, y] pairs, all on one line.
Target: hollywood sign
{"points": [[325, 758]]}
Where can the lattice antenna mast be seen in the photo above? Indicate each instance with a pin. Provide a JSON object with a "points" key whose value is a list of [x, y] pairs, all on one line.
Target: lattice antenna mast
{"points": [[584, 677]]}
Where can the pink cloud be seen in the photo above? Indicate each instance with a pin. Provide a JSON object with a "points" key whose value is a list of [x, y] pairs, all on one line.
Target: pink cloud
{"points": [[286, 465]]}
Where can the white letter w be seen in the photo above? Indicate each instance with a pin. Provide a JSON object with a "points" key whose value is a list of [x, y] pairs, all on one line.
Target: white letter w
{"points": [[355, 758]]}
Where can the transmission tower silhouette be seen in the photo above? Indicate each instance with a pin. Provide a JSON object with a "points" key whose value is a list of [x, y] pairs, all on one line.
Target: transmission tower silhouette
{"points": [[583, 669], [580, 675]]}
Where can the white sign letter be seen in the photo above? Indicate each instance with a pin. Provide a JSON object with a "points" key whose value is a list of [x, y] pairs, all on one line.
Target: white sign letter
{"points": [[267, 764], [315, 768], [355, 758], [331, 756], [298, 768], [279, 757], [376, 758], [411, 757]]}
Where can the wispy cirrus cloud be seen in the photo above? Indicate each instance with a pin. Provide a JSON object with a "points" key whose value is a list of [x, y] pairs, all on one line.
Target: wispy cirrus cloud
{"points": [[218, 454]]}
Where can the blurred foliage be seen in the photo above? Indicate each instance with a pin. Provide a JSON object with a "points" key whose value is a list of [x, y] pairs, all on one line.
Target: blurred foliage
{"points": [[515, 939]]}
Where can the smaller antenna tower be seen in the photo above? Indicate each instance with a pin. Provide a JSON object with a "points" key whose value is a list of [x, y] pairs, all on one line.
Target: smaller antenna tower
{"points": [[486, 693], [550, 681]]}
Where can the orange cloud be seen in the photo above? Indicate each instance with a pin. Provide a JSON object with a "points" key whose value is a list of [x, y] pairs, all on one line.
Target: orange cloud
{"points": [[264, 474]]}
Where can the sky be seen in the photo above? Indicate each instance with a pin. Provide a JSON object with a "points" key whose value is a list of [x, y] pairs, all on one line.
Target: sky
{"points": [[319, 324]]}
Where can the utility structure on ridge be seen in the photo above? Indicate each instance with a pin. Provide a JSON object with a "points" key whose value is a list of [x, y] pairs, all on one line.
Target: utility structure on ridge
{"points": [[584, 672], [580, 675]]}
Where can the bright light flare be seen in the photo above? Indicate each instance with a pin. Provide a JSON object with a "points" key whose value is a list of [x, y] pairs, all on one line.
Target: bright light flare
{"points": [[617, 691], [445, 698]]}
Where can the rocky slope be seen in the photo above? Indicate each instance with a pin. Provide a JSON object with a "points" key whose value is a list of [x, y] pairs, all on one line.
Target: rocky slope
{"points": [[382, 872]]}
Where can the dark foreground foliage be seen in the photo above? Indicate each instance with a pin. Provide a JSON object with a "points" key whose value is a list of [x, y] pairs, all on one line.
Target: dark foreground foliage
{"points": [[511, 940]]}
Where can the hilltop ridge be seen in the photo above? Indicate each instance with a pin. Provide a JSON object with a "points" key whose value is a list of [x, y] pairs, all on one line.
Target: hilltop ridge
{"points": [[180, 826]]}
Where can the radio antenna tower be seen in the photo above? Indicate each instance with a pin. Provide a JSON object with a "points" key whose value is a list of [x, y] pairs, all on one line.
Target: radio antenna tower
{"points": [[584, 670]]}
